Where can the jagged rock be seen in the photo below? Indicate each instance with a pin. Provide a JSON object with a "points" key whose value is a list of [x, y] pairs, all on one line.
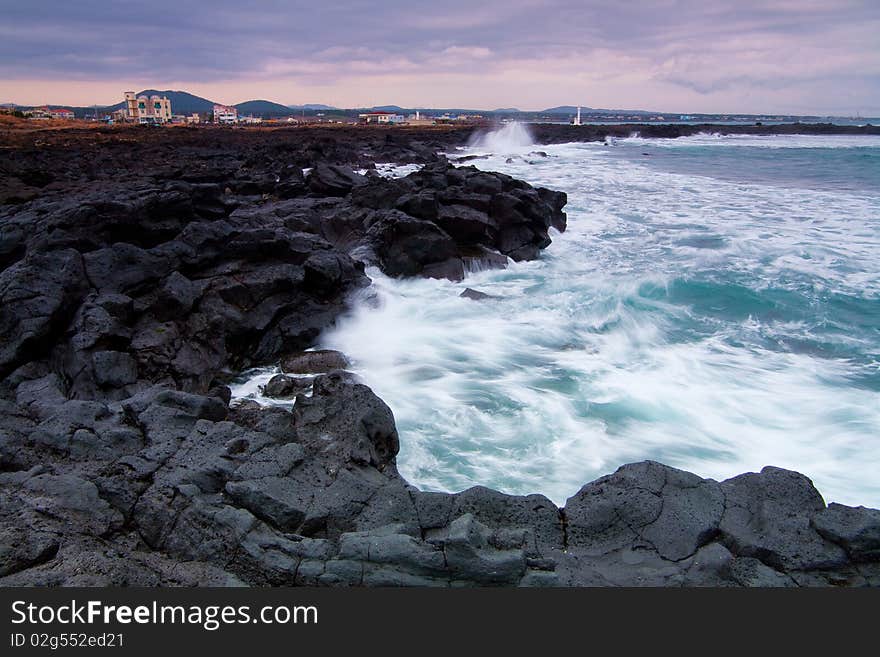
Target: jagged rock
{"points": [[38, 296], [476, 295], [421, 205], [855, 529], [278, 500], [430, 221], [114, 368], [319, 361], [405, 246], [41, 395], [21, 549], [535, 514], [672, 511], [333, 180], [176, 297], [360, 426], [471, 557], [466, 225], [767, 516], [282, 386]]}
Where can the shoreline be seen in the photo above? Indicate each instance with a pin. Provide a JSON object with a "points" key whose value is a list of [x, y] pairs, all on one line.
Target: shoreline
{"points": [[132, 286]]}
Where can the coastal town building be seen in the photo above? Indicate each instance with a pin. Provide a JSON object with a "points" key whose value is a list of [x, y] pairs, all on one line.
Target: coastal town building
{"points": [[381, 118], [144, 109], [460, 118], [225, 115], [419, 119], [38, 113], [46, 112], [61, 113]]}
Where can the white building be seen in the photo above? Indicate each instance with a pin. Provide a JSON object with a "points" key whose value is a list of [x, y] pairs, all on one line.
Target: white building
{"points": [[225, 115], [143, 109], [381, 118]]}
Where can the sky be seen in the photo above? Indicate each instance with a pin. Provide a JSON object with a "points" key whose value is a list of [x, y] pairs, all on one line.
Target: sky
{"points": [[749, 56]]}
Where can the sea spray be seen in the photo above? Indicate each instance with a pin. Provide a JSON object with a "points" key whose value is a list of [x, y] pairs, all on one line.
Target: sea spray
{"points": [[509, 138]]}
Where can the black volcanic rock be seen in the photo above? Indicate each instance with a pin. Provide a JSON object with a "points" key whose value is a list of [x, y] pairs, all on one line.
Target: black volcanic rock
{"points": [[475, 295], [182, 301], [855, 529], [38, 296], [333, 180], [405, 246], [547, 133], [317, 361], [282, 386], [128, 298], [425, 224]]}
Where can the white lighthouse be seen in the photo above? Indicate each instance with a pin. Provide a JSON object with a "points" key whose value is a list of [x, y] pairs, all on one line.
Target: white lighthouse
{"points": [[577, 119]]}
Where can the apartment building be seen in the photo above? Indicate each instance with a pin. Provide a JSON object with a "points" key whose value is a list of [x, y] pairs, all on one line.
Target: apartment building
{"points": [[143, 109]]}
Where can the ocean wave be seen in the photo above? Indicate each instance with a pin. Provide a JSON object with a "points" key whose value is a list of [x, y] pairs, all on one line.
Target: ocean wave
{"points": [[715, 325]]}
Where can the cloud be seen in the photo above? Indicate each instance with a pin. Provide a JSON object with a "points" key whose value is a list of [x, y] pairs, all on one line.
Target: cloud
{"points": [[661, 54]]}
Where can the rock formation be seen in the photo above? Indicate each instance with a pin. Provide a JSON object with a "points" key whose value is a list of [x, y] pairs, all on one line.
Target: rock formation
{"points": [[128, 300]]}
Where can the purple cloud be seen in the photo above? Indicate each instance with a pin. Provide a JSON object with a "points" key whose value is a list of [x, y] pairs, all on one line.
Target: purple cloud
{"points": [[663, 54]]}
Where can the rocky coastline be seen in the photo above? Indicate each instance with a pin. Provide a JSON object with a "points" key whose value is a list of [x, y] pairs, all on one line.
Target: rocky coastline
{"points": [[140, 271]]}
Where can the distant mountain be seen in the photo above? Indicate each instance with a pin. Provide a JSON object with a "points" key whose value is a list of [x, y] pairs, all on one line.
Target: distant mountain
{"points": [[387, 108], [312, 106], [264, 108], [567, 109], [572, 109], [507, 110], [181, 101]]}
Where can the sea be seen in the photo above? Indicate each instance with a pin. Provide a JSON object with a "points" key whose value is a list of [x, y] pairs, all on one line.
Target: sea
{"points": [[714, 304]]}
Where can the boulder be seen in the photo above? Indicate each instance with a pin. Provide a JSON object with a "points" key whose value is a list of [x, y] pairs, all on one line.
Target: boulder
{"points": [[282, 386], [855, 529], [345, 418], [318, 361], [476, 295], [38, 296], [114, 369], [767, 516], [405, 246], [333, 180], [671, 511]]}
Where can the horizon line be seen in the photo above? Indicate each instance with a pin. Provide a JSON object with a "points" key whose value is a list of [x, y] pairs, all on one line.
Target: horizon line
{"points": [[475, 109]]}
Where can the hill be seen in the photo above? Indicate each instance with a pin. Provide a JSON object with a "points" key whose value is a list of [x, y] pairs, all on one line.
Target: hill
{"points": [[567, 109], [182, 102], [312, 106], [264, 108]]}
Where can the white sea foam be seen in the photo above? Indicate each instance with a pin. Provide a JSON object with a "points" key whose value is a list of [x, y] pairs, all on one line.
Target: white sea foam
{"points": [[391, 170], [762, 141], [510, 138]]}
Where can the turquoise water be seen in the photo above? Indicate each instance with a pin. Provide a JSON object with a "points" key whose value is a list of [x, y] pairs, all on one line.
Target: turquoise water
{"points": [[792, 161], [714, 304]]}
